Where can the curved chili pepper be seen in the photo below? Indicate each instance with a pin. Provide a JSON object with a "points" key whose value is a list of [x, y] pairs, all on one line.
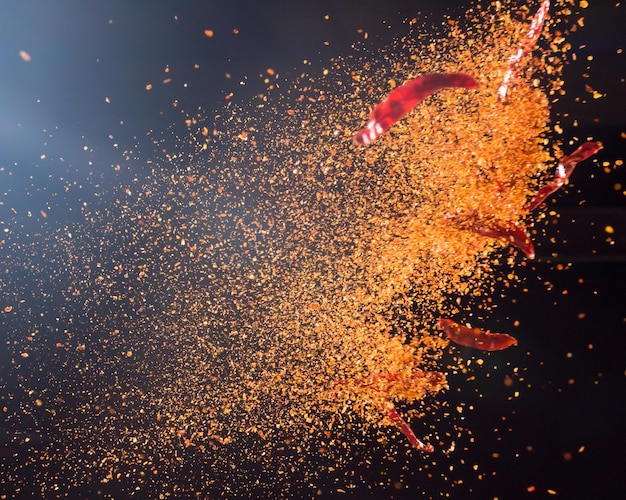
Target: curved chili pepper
{"points": [[475, 337], [563, 170], [524, 48], [404, 98]]}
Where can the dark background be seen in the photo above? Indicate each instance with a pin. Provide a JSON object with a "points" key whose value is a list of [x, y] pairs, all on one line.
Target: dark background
{"points": [[565, 430]]}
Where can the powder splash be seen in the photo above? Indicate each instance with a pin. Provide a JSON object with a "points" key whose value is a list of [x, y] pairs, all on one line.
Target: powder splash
{"points": [[277, 297]]}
